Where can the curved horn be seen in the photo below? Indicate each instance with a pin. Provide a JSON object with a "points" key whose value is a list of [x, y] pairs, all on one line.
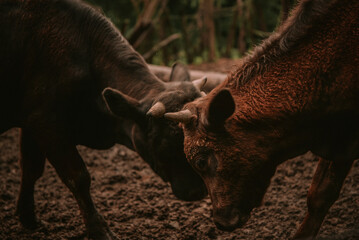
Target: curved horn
{"points": [[157, 110], [183, 116], [199, 83]]}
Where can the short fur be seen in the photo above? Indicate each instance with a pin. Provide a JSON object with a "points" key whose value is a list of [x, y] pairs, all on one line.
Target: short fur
{"points": [[297, 91], [57, 57]]}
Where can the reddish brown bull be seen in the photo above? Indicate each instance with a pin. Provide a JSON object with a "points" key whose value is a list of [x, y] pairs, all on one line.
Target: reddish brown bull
{"points": [[68, 77], [297, 91]]}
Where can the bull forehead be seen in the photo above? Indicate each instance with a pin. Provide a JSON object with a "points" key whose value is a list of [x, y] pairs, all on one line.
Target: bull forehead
{"points": [[197, 105], [201, 143], [175, 99], [198, 142], [186, 87], [227, 150], [195, 144]]}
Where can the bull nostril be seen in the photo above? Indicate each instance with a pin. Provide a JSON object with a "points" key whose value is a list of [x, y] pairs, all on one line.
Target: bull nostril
{"points": [[224, 226], [229, 219]]}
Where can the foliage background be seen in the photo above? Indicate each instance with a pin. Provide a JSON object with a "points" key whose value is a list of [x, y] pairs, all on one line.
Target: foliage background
{"points": [[197, 30]]}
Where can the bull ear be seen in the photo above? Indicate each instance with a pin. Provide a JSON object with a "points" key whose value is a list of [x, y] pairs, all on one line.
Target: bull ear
{"points": [[220, 108], [122, 105], [179, 73]]}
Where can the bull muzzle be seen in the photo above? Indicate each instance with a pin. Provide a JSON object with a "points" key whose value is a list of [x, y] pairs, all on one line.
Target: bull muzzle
{"points": [[229, 218]]}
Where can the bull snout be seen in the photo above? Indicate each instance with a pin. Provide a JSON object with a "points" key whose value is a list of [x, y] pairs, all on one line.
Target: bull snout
{"points": [[228, 219]]}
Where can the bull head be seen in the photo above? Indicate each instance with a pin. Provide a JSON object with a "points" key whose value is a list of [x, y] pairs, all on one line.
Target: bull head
{"points": [[160, 142], [213, 142]]}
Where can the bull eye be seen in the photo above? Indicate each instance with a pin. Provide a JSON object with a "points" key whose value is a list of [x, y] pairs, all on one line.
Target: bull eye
{"points": [[201, 163]]}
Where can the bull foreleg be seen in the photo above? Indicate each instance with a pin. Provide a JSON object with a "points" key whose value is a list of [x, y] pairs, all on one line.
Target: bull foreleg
{"points": [[323, 192], [72, 171], [32, 162]]}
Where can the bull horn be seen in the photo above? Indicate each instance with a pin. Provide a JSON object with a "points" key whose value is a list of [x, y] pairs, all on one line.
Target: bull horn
{"points": [[199, 83], [157, 110], [183, 116]]}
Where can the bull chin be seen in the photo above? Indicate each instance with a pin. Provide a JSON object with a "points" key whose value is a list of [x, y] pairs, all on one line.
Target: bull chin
{"points": [[188, 192]]}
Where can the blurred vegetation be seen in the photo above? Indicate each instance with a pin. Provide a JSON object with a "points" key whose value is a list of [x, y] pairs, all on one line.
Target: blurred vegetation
{"points": [[194, 31]]}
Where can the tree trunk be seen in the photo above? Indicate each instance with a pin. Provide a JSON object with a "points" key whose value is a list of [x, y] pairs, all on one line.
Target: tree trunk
{"points": [[186, 41], [232, 33], [285, 9], [210, 28], [206, 25], [261, 21], [144, 23], [242, 32], [200, 24], [163, 31], [249, 21]]}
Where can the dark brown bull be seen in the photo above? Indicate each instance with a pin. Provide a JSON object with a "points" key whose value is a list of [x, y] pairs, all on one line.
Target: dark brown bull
{"points": [[297, 91], [56, 59]]}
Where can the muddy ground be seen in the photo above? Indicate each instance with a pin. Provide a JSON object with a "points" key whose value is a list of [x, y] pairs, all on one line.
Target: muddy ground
{"points": [[137, 204]]}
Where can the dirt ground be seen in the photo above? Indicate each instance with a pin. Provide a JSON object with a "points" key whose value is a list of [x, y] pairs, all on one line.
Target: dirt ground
{"points": [[137, 204]]}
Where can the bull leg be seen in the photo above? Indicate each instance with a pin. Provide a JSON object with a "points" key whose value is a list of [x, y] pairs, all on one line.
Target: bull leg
{"points": [[72, 171], [32, 162], [323, 192]]}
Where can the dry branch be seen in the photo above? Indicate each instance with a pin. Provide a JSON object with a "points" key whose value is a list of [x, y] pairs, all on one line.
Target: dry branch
{"points": [[160, 45], [144, 23]]}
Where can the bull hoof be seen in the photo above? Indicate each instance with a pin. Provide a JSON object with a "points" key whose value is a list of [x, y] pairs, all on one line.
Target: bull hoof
{"points": [[98, 229], [32, 224]]}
